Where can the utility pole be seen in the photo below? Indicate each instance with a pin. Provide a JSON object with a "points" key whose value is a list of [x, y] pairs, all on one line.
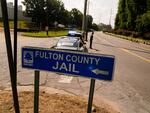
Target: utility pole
{"points": [[110, 17], [88, 4], [110, 20], [84, 18], [100, 18]]}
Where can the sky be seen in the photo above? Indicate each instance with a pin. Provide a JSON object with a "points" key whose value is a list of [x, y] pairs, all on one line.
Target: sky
{"points": [[101, 10]]}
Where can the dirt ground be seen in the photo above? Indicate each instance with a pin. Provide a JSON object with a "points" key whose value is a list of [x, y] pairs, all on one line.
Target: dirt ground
{"points": [[48, 103]]}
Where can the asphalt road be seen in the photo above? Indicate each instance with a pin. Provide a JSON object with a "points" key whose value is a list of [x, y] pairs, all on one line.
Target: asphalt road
{"points": [[132, 61], [129, 91]]}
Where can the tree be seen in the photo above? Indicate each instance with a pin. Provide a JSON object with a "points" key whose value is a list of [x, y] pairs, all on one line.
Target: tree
{"points": [[148, 5], [117, 22], [104, 27], [122, 17], [44, 10], [95, 27], [89, 21], [35, 10], [55, 9], [143, 23], [66, 17], [76, 17], [133, 15]]}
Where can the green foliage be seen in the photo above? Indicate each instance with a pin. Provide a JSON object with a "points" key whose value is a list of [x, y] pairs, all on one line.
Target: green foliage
{"points": [[133, 15], [143, 23], [95, 27], [147, 36], [148, 5], [122, 15], [44, 34], [65, 17], [45, 12], [35, 9], [55, 10], [76, 17], [104, 27], [89, 21], [21, 25], [117, 22]]}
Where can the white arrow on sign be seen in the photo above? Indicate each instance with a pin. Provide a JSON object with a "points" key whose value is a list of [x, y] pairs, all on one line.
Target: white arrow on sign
{"points": [[97, 72]]}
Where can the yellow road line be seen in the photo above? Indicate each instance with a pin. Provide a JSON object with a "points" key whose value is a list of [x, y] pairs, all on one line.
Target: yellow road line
{"points": [[147, 60]]}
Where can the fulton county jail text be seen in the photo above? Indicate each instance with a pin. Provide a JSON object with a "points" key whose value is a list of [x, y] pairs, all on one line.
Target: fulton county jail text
{"points": [[89, 65], [68, 58]]}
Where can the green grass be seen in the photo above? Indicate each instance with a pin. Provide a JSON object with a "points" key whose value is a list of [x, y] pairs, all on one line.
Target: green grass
{"points": [[138, 40], [43, 34], [21, 24]]}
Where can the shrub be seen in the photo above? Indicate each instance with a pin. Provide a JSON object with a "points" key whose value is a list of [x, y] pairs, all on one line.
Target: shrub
{"points": [[114, 31], [126, 33], [135, 34], [147, 36], [119, 31], [95, 27]]}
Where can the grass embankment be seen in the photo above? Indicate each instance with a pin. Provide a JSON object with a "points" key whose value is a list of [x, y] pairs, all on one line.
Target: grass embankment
{"points": [[27, 25], [43, 34], [21, 24], [138, 40]]}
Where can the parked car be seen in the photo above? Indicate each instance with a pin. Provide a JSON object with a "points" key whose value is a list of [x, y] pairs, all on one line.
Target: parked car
{"points": [[73, 33], [69, 43]]}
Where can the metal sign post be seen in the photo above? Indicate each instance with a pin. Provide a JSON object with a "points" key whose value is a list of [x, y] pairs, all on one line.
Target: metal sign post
{"points": [[15, 37], [10, 55], [91, 93], [36, 91]]}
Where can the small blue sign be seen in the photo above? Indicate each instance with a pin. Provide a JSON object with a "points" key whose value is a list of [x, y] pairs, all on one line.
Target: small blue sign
{"points": [[96, 66]]}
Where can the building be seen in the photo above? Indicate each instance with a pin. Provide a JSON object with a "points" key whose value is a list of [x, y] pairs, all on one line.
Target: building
{"points": [[10, 8]]}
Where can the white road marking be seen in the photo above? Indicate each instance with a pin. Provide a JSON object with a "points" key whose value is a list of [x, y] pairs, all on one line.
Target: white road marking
{"points": [[65, 79]]}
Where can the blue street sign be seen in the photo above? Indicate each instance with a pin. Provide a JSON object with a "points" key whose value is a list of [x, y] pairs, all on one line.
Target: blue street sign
{"points": [[67, 62]]}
